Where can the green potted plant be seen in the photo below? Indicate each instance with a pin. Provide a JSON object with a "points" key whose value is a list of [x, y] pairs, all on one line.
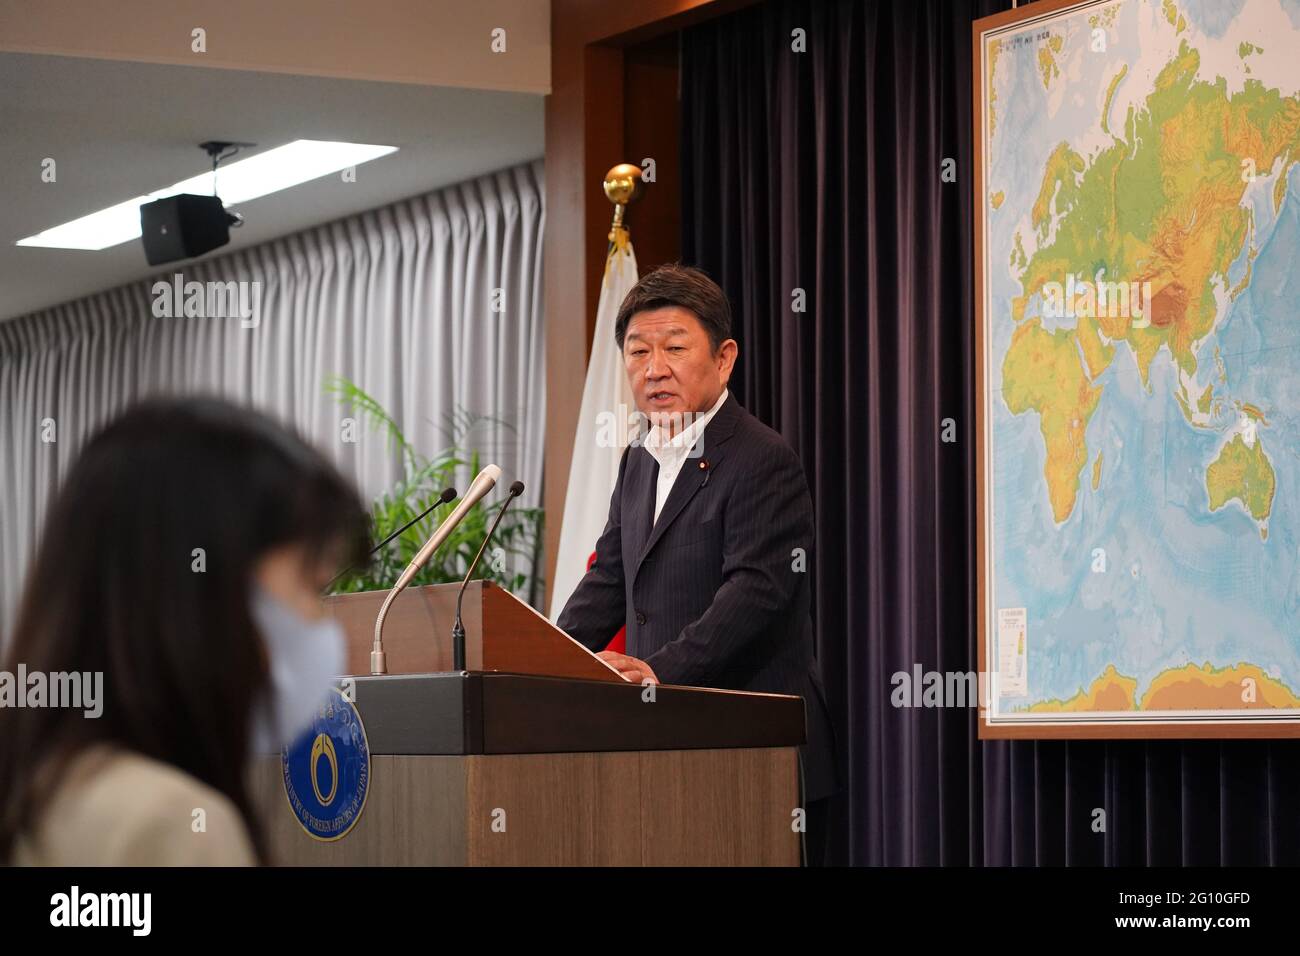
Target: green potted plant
{"points": [[517, 539]]}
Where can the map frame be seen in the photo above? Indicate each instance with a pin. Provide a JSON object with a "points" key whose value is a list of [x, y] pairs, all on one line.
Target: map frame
{"points": [[1260, 723]]}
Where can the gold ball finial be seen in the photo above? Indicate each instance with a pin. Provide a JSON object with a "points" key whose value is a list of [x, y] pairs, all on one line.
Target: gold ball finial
{"points": [[623, 184]]}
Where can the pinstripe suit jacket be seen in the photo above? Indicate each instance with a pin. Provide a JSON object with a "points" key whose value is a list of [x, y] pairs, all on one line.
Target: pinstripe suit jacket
{"points": [[713, 594]]}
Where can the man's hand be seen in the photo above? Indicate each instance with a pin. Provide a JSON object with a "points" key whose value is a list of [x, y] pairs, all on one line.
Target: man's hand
{"points": [[630, 668]]}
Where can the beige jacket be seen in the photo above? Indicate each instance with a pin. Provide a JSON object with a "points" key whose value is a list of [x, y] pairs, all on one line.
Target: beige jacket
{"points": [[117, 808]]}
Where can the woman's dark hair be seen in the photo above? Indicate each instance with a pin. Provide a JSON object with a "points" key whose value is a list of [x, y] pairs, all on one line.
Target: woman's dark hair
{"points": [[144, 573], [683, 286]]}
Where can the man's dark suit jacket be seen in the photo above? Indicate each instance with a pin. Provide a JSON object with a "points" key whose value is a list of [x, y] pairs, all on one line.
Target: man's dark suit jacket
{"points": [[716, 593]]}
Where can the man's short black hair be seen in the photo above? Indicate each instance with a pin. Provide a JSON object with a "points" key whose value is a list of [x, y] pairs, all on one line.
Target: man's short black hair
{"points": [[682, 286]]}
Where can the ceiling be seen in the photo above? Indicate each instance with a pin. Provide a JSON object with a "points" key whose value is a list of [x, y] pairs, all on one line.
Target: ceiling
{"points": [[121, 129]]}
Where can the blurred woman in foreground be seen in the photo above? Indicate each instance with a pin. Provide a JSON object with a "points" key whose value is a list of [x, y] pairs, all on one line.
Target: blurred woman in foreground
{"points": [[183, 559]]}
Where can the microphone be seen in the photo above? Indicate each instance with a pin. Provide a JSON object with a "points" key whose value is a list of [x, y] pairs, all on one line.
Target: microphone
{"points": [[458, 629], [447, 495], [478, 489]]}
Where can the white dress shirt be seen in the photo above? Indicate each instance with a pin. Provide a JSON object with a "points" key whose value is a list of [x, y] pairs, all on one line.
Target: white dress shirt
{"points": [[672, 453]]}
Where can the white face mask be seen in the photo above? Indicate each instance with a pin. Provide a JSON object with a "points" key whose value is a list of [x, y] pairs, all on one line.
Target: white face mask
{"points": [[306, 657]]}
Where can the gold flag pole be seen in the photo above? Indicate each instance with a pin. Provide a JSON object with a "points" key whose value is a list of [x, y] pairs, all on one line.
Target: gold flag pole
{"points": [[622, 186]]}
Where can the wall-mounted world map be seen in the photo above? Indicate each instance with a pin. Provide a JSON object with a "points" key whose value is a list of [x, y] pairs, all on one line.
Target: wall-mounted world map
{"points": [[1138, 324]]}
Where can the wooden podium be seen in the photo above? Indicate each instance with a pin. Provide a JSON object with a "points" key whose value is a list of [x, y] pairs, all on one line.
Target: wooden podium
{"points": [[540, 754]]}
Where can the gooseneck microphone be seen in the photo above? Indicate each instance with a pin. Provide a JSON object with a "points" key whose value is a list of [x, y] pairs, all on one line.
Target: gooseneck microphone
{"points": [[478, 489], [458, 629], [447, 495]]}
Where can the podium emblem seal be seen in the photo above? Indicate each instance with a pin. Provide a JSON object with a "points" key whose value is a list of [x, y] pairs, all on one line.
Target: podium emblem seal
{"points": [[327, 771]]}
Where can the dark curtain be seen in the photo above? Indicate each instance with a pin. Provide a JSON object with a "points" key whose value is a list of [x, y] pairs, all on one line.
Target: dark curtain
{"points": [[821, 171]]}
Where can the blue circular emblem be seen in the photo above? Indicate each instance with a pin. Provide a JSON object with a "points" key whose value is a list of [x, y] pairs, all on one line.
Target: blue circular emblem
{"points": [[327, 771]]}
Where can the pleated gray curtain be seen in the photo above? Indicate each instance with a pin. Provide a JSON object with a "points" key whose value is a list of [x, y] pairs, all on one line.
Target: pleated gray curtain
{"points": [[433, 305]]}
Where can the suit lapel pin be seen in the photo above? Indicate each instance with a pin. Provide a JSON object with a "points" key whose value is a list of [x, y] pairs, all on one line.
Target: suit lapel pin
{"points": [[704, 467]]}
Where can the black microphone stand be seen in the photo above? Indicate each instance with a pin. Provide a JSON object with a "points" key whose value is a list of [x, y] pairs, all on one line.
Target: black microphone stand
{"points": [[458, 629], [447, 495]]}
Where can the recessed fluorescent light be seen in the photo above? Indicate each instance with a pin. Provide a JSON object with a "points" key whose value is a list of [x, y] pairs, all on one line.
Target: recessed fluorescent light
{"points": [[298, 162]]}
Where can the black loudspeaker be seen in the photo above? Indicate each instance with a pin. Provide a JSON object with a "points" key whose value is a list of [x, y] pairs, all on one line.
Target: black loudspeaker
{"points": [[182, 227]]}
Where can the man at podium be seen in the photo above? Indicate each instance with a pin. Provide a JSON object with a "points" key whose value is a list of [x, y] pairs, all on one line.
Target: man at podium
{"points": [[706, 555]]}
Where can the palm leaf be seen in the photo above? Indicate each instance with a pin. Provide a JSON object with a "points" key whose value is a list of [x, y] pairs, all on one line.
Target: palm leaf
{"points": [[518, 536]]}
